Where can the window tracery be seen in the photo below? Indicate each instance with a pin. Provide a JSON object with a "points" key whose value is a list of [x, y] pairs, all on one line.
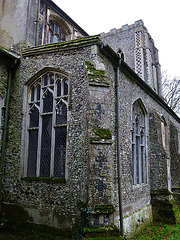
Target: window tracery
{"points": [[139, 168], [57, 32], [47, 130]]}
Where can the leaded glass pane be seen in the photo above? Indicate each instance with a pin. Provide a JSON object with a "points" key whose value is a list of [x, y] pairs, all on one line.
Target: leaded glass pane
{"points": [[52, 79], [51, 26], [136, 126], [142, 163], [132, 136], [46, 146], [60, 152], [50, 36], [34, 118], [59, 88], [32, 153], [40, 121], [48, 102], [45, 80], [61, 114], [41, 7], [137, 159], [133, 162], [40, 33], [66, 87], [138, 149], [38, 92], [32, 94], [55, 39], [141, 137]]}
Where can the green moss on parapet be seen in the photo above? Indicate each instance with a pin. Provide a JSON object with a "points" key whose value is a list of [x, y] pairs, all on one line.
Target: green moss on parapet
{"points": [[73, 44], [103, 133], [94, 74], [104, 209]]}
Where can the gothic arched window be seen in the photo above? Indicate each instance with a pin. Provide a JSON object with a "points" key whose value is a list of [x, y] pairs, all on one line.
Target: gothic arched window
{"points": [[139, 165], [57, 32], [164, 132], [47, 129]]}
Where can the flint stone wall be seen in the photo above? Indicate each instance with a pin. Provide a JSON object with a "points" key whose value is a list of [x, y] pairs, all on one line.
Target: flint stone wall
{"points": [[91, 166]]}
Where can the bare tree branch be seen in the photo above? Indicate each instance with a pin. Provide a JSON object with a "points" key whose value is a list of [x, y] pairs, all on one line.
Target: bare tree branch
{"points": [[171, 91]]}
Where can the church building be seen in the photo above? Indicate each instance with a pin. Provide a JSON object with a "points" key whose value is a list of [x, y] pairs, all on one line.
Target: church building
{"points": [[87, 140]]}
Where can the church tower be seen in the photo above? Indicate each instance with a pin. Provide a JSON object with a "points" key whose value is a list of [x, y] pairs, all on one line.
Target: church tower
{"points": [[139, 52]]}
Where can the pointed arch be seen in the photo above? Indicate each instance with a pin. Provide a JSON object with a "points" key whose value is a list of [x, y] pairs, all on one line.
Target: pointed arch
{"points": [[45, 133], [139, 162], [58, 30], [44, 71]]}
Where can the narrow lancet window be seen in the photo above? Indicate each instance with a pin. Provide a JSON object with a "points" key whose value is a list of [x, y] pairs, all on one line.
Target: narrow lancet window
{"points": [[139, 166]]}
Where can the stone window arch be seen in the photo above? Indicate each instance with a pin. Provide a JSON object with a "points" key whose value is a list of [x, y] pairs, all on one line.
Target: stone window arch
{"points": [[58, 31], [46, 125], [139, 162]]}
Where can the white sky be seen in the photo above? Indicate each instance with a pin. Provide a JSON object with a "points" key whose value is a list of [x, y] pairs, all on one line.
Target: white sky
{"points": [[161, 17]]}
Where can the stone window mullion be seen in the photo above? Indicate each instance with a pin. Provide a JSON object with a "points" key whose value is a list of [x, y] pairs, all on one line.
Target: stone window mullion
{"points": [[40, 130], [53, 131]]}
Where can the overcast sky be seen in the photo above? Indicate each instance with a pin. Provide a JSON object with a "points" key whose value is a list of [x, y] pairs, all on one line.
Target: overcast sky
{"points": [[161, 17]]}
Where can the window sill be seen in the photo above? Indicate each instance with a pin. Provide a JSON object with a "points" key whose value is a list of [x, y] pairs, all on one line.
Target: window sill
{"points": [[45, 179], [139, 185], [100, 141]]}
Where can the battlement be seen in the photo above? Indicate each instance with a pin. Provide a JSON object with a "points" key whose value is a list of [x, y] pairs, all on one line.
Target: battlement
{"points": [[139, 51]]}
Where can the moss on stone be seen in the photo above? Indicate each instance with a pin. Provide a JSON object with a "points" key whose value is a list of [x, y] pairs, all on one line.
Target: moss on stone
{"points": [[101, 229], [104, 209], [161, 192], [176, 209], [106, 232], [45, 179], [94, 74], [103, 133], [86, 41], [94, 139]]}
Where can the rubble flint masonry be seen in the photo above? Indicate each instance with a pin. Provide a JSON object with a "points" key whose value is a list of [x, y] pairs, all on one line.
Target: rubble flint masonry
{"points": [[59, 123]]}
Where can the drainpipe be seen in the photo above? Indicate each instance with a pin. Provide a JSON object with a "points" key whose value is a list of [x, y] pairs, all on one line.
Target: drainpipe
{"points": [[37, 23], [118, 151], [116, 61]]}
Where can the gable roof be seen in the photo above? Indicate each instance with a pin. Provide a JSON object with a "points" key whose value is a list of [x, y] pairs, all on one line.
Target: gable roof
{"points": [[61, 13]]}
